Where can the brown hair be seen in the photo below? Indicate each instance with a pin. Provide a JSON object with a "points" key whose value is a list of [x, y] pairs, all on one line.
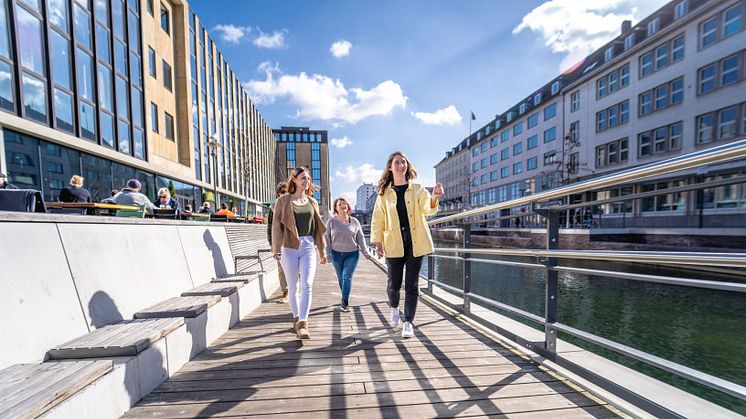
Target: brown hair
{"points": [[343, 199], [294, 174], [280, 188], [387, 177]]}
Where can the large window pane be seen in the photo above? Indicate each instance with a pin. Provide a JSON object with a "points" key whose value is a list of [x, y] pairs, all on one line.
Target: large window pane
{"points": [[120, 57], [136, 107], [135, 75], [6, 87], [121, 174], [22, 158], [87, 121], [97, 174], [122, 98], [107, 129], [123, 136], [82, 23], [84, 66], [30, 42], [60, 60], [134, 32], [58, 165], [4, 39], [34, 98], [103, 48], [63, 110], [139, 143], [102, 11], [117, 16], [57, 13], [105, 89]]}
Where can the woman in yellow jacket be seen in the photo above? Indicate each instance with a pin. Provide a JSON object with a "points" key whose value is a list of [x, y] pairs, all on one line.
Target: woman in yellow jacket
{"points": [[400, 232]]}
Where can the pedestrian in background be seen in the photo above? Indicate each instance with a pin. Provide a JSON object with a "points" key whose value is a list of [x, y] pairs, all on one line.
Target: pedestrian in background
{"points": [[279, 191]]}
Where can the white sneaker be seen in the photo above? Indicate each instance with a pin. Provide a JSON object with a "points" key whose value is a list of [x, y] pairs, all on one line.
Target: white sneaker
{"points": [[407, 331], [395, 316]]}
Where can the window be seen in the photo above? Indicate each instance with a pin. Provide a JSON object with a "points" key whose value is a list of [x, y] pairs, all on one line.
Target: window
{"points": [[601, 87], [680, 9], [504, 136], [532, 142], [504, 172], [485, 162], [493, 175], [165, 19], [474, 167], [706, 78], [613, 82], [574, 101], [677, 49], [704, 128], [493, 142], [532, 163], [517, 128], [522, 109], [661, 97], [167, 76], [629, 41], [550, 111], [612, 116], [505, 154], [537, 99], [653, 26], [482, 148], [729, 70], [154, 116], [555, 87], [168, 122], [550, 158], [659, 140], [475, 151], [151, 62], [575, 130], [646, 64], [484, 179], [661, 57], [517, 168], [677, 91], [532, 120], [517, 149], [550, 135], [727, 127], [493, 159], [609, 54], [708, 33], [732, 20]]}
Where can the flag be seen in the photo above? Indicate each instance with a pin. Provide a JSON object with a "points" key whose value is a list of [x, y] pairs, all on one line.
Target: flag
{"points": [[473, 117]]}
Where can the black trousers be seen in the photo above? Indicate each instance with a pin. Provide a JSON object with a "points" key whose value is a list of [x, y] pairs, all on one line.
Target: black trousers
{"points": [[411, 279]]}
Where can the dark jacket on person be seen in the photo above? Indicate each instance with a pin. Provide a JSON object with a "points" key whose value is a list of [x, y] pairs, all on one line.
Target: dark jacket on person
{"points": [[204, 210], [173, 203], [129, 196], [73, 194], [7, 185]]}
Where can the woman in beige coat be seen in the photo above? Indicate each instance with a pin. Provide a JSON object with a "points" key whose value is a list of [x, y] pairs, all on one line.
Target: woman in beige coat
{"points": [[297, 233]]}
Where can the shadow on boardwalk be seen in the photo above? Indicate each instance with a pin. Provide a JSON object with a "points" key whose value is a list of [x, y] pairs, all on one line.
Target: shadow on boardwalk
{"points": [[357, 366]]}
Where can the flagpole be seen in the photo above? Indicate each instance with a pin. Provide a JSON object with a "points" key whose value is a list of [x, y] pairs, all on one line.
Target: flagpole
{"points": [[470, 119]]}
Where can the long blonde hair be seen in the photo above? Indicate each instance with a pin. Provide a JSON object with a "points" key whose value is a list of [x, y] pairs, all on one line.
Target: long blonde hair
{"points": [[387, 177], [294, 174]]}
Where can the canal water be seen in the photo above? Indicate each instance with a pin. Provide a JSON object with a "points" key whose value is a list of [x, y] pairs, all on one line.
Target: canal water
{"points": [[698, 328]]}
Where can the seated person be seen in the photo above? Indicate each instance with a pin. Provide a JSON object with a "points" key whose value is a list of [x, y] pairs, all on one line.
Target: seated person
{"points": [[187, 209], [110, 199], [165, 201], [225, 211], [206, 208], [76, 192], [235, 210], [4, 182], [130, 195]]}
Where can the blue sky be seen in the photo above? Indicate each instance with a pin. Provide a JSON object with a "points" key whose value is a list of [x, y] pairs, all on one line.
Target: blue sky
{"points": [[403, 75]]}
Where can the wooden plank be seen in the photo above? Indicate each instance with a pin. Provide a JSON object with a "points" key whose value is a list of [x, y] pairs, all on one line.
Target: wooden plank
{"points": [[222, 289], [46, 385], [122, 339], [178, 307]]}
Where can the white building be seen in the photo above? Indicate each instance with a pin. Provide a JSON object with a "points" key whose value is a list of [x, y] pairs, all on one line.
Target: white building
{"points": [[363, 193]]}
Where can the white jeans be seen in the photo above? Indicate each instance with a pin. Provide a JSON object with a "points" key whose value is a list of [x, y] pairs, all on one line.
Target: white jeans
{"points": [[300, 267]]}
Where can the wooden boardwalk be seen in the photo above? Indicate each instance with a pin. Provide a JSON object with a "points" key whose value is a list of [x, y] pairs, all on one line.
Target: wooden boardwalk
{"points": [[356, 366]]}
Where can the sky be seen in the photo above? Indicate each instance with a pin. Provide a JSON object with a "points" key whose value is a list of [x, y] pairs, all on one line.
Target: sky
{"points": [[402, 75]]}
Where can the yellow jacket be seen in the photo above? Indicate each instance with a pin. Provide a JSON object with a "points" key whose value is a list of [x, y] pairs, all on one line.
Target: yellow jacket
{"points": [[384, 227]]}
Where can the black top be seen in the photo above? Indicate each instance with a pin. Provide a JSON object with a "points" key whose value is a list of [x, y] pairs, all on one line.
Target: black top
{"points": [[401, 205], [71, 194], [7, 185]]}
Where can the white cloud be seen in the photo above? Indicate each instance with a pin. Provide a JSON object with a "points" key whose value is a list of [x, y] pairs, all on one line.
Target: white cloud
{"points": [[320, 97], [273, 41], [445, 116], [364, 173], [577, 27], [341, 142], [231, 33], [351, 196], [341, 48]]}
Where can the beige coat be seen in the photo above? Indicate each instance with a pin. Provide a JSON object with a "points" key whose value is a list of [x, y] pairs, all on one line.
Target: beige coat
{"points": [[284, 231], [384, 227]]}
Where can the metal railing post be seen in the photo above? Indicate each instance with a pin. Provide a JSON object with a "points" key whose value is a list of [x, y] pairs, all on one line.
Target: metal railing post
{"points": [[430, 273], [467, 268], [551, 292]]}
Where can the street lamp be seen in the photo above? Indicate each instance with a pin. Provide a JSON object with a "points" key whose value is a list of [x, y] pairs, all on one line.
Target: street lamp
{"points": [[212, 146]]}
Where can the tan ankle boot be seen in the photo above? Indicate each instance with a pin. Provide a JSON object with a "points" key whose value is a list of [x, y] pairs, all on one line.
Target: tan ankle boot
{"points": [[303, 330], [295, 325]]}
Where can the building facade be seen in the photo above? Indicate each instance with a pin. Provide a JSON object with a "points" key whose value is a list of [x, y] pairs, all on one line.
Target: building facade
{"points": [[453, 172], [363, 193], [672, 84], [115, 89], [302, 146]]}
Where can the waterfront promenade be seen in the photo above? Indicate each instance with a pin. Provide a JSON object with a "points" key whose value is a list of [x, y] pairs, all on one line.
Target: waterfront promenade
{"points": [[355, 365]]}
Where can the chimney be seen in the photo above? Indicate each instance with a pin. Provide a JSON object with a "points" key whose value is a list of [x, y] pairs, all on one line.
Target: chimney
{"points": [[626, 26]]}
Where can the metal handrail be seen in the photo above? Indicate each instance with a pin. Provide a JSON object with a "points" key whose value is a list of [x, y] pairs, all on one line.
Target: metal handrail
{"points": [[714, 155], [736, 260]]}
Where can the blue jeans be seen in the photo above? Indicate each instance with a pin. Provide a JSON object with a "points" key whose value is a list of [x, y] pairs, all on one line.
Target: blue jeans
{"points": [[344, 264]]}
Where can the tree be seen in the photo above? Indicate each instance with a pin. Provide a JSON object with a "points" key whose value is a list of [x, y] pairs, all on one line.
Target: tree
{"points": [[171, 188]]}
